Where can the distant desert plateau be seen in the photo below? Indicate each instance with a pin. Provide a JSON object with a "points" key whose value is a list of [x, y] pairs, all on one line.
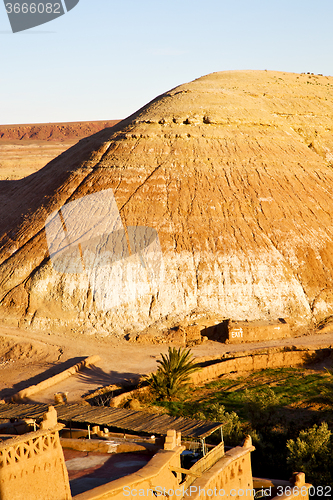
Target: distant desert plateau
{"points": [[24, 149]]}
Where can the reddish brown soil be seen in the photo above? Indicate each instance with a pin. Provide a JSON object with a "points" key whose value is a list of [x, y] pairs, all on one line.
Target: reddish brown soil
{"points": [[25, 149], [53, 131]]}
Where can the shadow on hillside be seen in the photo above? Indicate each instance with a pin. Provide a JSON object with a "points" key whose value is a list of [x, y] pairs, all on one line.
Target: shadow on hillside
{"points": [[21, 199], [7, 183], [8, 392]]}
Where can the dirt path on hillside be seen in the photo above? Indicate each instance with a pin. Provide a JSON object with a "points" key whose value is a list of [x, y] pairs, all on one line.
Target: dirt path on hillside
{"points": [[28, 357]]}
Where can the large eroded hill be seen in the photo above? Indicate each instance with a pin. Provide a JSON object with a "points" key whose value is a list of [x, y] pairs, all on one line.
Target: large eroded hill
{"points": [[213, 201]]}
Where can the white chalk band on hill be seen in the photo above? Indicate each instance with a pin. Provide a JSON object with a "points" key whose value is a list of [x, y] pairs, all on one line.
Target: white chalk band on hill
{"points": [[87, 236]]}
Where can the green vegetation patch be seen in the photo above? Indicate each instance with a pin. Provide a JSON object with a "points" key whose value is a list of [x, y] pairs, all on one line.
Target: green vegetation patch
{"points": [[283, 409], [295, 388]]}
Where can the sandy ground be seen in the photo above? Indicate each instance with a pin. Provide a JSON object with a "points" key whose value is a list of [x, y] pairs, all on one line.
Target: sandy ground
{"points": [[28, 357], [18, 159], [26, 148]]}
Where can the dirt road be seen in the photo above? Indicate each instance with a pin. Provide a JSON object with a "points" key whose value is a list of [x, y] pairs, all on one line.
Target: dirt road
{"points": [[28, 357]]}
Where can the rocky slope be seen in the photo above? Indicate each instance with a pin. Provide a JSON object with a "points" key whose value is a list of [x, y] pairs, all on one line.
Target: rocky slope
{"points": [[232, 172]]}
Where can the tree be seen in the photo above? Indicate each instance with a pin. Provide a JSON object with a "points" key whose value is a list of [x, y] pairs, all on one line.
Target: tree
{"points": [[232, 427], [172, 376], [312, 453], [262, 408]]}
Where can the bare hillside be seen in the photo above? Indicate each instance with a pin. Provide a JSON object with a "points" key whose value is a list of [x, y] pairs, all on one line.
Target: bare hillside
{"points": [[229, 174]]}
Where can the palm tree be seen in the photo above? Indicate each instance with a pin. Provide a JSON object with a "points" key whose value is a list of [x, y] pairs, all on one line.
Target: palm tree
{"points": [[172, 375]]}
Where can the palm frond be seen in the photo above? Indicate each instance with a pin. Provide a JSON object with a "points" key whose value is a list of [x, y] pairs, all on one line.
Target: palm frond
{"points": [[173, 372]]}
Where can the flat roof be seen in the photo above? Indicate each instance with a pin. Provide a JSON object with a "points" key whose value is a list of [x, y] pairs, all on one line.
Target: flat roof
{"points": [[117, 418]]}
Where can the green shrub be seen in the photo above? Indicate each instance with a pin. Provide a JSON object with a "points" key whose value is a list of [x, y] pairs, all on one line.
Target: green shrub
{"points": [[312, 453], [261, 408], [327, 388], [232, 428]]}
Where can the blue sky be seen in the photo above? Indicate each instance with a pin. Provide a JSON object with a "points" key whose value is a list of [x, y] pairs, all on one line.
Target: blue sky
{"points": [[105, 59]]}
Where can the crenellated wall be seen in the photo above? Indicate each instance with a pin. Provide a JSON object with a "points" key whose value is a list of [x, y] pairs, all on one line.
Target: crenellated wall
{"points": [[32, 467], [294, 491]]}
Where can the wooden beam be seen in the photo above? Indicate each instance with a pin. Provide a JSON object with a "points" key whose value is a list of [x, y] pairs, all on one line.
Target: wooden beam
{"points": [[184, 471]]}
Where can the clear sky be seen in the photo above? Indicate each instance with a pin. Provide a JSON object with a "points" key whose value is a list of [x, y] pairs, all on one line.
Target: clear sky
{"points": [[105, 59]]}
